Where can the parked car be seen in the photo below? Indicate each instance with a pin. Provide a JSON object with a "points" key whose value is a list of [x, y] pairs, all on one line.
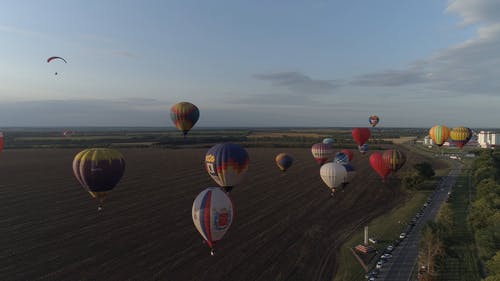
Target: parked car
{"points": [[402, 235], [386, 256], [390, 248], [379, 264]]}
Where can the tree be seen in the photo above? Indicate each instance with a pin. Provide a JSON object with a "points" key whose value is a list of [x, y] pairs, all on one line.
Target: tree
{"points": [[493, 264], [431, 246], [424, 170]]}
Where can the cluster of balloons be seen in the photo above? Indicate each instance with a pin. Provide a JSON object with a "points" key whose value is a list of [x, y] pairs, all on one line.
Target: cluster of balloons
{"points": [[460, 136], [390, 161], [212, 210]]}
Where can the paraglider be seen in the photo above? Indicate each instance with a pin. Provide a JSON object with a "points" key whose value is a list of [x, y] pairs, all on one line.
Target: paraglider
{"points": [[361, 135], [328, 141], [341, 158], [363, 148], [439, 134], [56, 58], [373, 120], [184, 115], [99, 170], [378, 164], [334, 175], [212, 214], [321, 152], [227, 163], [349, 153], [394, 159], [284, 161], [460, 136]]}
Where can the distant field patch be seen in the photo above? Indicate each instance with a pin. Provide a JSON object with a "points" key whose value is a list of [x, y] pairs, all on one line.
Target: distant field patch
{"points": [[400, 140], [284, 134]]}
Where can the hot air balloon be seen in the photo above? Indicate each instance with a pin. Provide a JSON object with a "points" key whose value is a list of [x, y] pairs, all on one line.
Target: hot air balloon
{"points": [[334, 175], [184, 115], [394, 159], [328, 140], [284, 161], [67, 133], [227, 163], [363, 148], [321, 152], [351, 172], [460, 136], [99, 170], [361, 135], [56, 59], [373, 120], [439, 134], [349, 153], [341, 158], [378, 164], [212, 214], [1, 142]]}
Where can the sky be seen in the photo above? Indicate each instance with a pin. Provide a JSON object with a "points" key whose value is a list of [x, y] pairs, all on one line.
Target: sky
{"points": [[251, 63]]}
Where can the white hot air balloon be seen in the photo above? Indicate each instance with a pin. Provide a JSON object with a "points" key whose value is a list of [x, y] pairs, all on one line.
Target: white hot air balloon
{"points": [[212, 215], [334, 175]]}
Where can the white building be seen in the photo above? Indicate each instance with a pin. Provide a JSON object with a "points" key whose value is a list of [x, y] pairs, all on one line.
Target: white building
{"points": [[487, 139], [428, 140]]}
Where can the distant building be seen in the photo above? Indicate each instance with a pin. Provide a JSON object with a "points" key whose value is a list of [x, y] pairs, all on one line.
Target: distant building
{"points": [[487, 139], [428, 140]]}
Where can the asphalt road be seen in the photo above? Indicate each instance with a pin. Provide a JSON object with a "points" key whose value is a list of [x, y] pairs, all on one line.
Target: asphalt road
{"points": [[400, 266]]}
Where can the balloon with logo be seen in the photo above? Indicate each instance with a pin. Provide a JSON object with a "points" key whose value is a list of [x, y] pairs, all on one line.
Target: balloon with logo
{"points": [[439, 134], [99, 170], [321, 152], [284, 161], [394, 159], [334, 175], [349, 153], [373, 120], [227, 163], [184, 115], [363, 148], [212, 215], [378, 164], [328, 140], [341, 158], [460, 136]]}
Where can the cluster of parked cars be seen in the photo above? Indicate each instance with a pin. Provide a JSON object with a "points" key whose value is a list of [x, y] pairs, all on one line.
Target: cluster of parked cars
{"points": [[387, 253]]}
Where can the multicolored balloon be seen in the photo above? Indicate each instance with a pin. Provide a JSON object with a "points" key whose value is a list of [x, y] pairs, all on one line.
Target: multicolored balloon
{"points": [[460, 136], [341, 158], [334, 175], [363, 148], [321, 152], [361, 135], [378, 164], [351, 172], [184, 115], [212, 214], [227, 163], [439, 134], [284, 161], [349, 153], [394, 159], [328, 140], [373, 120], [99, 170]]}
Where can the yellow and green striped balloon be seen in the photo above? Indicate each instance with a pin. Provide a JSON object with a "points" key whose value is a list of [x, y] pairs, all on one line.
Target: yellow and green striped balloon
{"points": [[439, 134]]}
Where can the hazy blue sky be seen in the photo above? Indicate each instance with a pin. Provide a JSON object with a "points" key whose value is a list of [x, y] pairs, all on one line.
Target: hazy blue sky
{"points": [[251, 63]]}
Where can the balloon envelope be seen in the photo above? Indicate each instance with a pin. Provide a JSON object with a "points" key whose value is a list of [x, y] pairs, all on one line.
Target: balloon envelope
{"points": [[341, 158], [439, 134], [333, 174], [321, 152], [361, 135], [284, 161], [212, 215], [373, 120], [184, 115], [460, 136], [349, 153], [394, 159], [98, 170], [328, 141], [227, 163], [379, 166]]}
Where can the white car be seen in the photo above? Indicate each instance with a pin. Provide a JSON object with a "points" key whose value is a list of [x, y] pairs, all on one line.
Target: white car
{"points": [[402, 235], [379, 264], [390, 248]]}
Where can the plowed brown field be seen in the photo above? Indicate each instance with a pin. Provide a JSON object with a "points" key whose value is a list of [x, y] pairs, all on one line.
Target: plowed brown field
{"points": [[286, 226]]}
